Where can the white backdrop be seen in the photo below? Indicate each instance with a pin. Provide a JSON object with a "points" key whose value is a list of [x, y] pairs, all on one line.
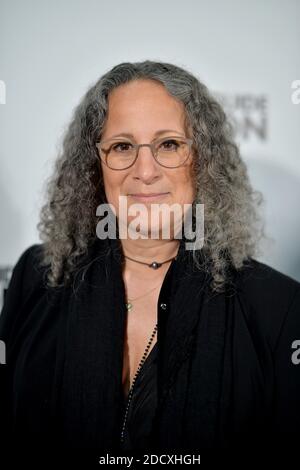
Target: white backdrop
{"points": [[248, 53]]}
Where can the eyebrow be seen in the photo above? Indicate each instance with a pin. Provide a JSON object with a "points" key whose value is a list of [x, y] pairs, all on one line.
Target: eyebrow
{"points": [[127, 134]]}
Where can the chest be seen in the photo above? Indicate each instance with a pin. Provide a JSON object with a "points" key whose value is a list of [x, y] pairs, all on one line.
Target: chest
{"points": [[140, 324]]}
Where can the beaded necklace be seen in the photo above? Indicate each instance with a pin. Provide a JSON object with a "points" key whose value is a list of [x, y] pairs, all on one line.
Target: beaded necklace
{"points": [[129, 397]]}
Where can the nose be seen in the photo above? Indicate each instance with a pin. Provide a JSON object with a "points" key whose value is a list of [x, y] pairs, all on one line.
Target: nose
{"points": [[146, 168]]}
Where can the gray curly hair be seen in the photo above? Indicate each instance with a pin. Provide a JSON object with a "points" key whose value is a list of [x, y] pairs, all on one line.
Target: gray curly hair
{"points": [[68, 220]]}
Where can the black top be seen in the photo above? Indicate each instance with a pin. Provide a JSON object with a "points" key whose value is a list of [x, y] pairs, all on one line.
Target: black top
{"points": [[228, 364], [142, 407]]}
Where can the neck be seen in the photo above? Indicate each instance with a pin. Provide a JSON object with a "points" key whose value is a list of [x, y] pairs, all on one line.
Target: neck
{"points": [[149, 250]]}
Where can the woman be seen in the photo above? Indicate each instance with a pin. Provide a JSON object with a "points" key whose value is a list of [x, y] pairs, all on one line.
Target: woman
{"points": [[137, 343]]}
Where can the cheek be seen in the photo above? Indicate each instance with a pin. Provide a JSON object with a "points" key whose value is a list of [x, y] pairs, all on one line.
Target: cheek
{"points": [[185, 186], [113, 181], [192, 181], [110, 181]]}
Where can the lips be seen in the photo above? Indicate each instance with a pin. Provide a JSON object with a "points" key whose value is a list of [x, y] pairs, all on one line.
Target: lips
{"points": [[148, 196]]}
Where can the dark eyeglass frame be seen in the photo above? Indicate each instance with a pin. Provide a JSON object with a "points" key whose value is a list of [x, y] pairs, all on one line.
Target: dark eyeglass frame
{"points": [[137, 147]]}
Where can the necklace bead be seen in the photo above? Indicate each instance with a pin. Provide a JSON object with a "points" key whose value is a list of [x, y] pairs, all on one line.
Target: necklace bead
{"points": [[155, 265], [130, 394]]}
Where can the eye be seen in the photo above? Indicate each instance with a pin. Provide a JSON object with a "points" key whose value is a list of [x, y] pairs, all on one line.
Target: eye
{"points": [[122, 147], [170, 144]]}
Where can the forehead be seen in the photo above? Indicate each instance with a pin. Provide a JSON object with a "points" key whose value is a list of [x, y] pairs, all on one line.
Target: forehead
{"points": [[142, 103]]}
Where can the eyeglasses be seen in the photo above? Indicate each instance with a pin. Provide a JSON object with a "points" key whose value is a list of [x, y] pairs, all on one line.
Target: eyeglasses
{"points": [[169, 152]]}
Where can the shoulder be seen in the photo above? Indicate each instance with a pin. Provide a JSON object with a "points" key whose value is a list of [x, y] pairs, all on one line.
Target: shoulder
{"points": [[26, 279], [27, 274], [28, 269], [269, 299], [266, 285]]}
